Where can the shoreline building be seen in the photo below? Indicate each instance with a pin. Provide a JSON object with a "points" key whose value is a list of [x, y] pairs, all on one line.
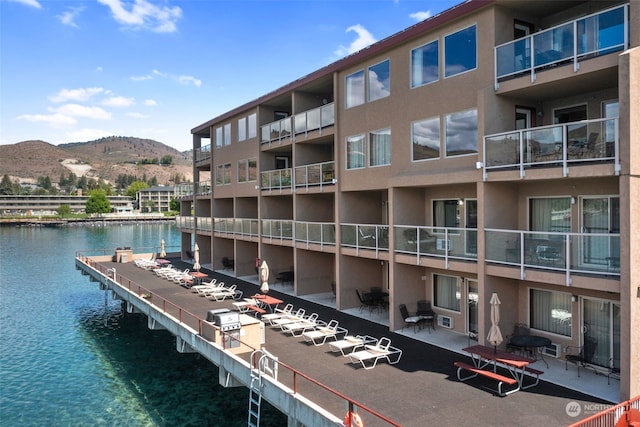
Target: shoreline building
{"points": [[489, 149]]}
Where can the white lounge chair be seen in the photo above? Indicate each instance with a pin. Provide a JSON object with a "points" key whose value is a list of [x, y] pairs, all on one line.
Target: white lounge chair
{"points": [[289, 318], [277, 314], [222, 293], [204, 285], [351, 343], [371, 354], [322, 333], [308, 323], [203, 292]]}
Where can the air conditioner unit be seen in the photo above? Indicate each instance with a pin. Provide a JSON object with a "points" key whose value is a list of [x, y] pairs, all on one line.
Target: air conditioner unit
{"points": [[445, 321], [553, 350], [443, 244]]}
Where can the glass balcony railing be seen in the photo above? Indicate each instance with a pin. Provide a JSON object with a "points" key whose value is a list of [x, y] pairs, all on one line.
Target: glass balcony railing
{"points": [[280, 229], [236, 226], [561, 145], [184, 189], [202, 153], [204, 223], [277, 179], [315, 119], [315, 232], [316, 174], [594, 35], [203, 188], [185, 222], [443, 242], [590, 253], [374, 237]]}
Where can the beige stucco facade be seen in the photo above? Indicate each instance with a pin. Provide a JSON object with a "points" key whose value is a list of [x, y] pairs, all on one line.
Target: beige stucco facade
{"points": [[451, 229]]}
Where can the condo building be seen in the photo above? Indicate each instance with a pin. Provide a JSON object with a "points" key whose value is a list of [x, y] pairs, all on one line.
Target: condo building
{"points": [[492, 148]]}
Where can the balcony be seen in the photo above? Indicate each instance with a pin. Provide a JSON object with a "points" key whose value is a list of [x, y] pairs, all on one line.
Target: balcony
{"points": [[590, 36], [280, 131], [202, 154], [204, 223], [186, 222], [318, 174], [239, 227], [277, 229], [556, 145], [439, 242], [567, 253], [279, 179], [184, 189], [370, 237], [321, 233]]}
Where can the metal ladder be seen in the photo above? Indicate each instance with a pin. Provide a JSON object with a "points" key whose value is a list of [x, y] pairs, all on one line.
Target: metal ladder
{"points": [[262, 363]]}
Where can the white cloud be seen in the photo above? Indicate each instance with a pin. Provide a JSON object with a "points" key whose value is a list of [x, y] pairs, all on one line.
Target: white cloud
{"points": [[77, 110], [56, 119], [32, 3], [158, 73], [119, 101], [99, 69], [68, 17], [150, 102], [80, 94], [186, 80], [364, 39], [141, 78], [141, 14], [138, 115], [420, 16]]}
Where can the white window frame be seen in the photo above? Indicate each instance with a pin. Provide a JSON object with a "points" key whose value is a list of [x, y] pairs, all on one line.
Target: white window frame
{"points": [[412, 67], [444, 52]]}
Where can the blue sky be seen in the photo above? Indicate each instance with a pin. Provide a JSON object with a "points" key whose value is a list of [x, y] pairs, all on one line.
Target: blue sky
{"points": [[74, 71]]}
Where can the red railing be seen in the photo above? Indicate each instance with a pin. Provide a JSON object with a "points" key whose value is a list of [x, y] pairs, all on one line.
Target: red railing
{"points": [[621, 415], [181, 314]]}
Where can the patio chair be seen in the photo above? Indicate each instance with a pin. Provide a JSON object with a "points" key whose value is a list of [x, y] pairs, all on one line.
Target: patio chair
{"points": [[519, 329], [584, 356], [371, 354], [365, 301], [426, 313], [279, 313], [408, 318], [308, 323]]}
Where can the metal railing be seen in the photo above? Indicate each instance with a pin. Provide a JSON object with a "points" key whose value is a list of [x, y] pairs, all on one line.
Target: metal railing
{"points": [[439, 242], [317, 174], [185, 222], [584, 253], [594, 35], [611, 416], [236, 226], [323, 233], [277, 229], [278, 179], [369, 236], [202, 153], [302, 123], [556, 145]]}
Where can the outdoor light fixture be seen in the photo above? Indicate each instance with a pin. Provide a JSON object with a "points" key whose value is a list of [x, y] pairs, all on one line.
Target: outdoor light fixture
{"points": [[479, 165]]}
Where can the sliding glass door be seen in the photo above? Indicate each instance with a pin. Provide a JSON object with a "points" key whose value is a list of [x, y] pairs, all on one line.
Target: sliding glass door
{"points": [[601, 323], [601, 215]]}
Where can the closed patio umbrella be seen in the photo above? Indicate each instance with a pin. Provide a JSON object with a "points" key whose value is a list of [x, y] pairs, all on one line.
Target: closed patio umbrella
{"points": [[196, 257], [264, 277], [162, 251], [495, 336]]}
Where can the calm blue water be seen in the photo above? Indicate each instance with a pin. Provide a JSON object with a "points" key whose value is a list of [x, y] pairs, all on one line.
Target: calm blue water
{"points": [[70, 357]]}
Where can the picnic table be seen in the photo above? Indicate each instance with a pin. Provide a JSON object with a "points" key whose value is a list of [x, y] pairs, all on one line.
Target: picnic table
{"points": [[268, 301], [486, 361]]}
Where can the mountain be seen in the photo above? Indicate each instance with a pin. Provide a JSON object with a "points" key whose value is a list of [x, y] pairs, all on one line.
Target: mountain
{"points": [[104, 158]]}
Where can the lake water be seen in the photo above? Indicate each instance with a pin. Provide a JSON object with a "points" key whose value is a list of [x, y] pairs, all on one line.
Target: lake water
{"points": [[69, 356]]}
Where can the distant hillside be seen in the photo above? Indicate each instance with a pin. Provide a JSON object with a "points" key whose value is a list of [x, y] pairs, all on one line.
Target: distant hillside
{"points": [[104, 158]]}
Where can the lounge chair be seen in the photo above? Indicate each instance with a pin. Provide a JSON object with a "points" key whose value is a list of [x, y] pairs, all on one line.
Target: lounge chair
{"points": [[301, 326], [322, 333], [222, 293], [351, 343], [204, 285], [289, 318], [203, 292], [278, 313], [371, 354]]}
